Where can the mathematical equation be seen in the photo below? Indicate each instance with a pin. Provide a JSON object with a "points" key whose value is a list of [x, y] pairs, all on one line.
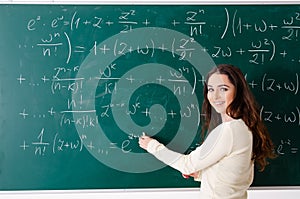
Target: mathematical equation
{"points": [[266, 83], [40, 146], [195, 20], [70, 36], [286, 146], [258, 51], [270, 116], [270, 84]]}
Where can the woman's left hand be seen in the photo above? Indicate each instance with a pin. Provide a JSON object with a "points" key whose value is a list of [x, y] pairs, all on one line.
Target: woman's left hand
{"points": [[144, 141], [194, 175]]}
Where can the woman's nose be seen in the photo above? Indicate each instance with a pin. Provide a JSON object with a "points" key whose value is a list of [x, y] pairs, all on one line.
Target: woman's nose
{"points": [[216, 95]]}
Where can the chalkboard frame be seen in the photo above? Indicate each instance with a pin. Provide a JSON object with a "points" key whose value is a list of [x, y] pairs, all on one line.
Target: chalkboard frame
{"points": [[281, 187]]}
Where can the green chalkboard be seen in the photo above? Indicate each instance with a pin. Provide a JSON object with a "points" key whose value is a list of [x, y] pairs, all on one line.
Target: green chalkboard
{"points": [[80, 83]]}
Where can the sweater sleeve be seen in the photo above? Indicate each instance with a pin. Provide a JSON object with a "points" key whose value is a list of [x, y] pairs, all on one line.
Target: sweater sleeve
{"points": [[217, 145]]}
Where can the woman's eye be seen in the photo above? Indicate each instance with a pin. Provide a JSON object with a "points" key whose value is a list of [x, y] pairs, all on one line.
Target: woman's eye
{"points": [[210, 90], [224, 89]]}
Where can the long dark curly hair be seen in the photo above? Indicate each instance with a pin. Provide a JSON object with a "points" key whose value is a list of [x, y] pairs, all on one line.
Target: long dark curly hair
{"points": [[245, 107]]}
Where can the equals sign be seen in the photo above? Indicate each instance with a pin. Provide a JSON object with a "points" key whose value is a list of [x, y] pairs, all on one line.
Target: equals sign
{"points": [[294, 150], [66, 23], [79, 49]]}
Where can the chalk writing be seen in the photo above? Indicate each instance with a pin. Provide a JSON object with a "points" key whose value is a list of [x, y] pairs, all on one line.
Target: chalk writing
{"points": [[270, 84], [59, 144], [95, 80], [286, 146], [40, 146], [292, 117], [80, 84]]}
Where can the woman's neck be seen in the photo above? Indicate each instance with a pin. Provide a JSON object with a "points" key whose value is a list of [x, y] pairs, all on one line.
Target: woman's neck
{"points": [[226, 118]]}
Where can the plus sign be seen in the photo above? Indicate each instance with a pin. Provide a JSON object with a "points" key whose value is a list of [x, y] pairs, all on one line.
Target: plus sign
{"points": [[86, 22], [240, 51], [21, 79], [277, 117], [160, 79], [284, 53], [44, 79], [104, 49], [109, 23], [130, 79], [146, 112], [175, 22], [24, 114], [278, 86], [51, 111], [24, 145], [272, 27], [247, 26], [90, 145], [146, 22], [202, 79], [162, 48], [130, 50], [252, 84], [172, 114]]}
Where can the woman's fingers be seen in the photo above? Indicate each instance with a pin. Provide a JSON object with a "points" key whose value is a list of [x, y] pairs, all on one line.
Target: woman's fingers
{"points": [[144, 141]]}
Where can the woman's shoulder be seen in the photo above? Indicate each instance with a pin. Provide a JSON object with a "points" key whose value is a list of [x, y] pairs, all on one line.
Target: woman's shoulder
{"points": [[238, 130], [234, 125], [232, 128]]}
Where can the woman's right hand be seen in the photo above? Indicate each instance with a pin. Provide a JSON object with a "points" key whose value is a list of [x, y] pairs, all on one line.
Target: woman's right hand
{"points": [[144, 141]]}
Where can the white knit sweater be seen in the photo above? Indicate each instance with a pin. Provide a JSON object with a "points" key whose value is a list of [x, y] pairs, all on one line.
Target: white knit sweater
{"points": [[223, 162]]}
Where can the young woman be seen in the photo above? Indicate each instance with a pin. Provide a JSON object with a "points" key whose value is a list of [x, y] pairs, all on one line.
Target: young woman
{"points": [[236, 138]]}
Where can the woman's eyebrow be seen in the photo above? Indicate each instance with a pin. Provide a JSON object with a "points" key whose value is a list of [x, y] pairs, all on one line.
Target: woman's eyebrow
{"points": [[221, 85]]}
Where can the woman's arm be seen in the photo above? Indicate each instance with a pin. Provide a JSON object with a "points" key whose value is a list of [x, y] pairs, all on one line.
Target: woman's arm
{"points": [[217, 145]]}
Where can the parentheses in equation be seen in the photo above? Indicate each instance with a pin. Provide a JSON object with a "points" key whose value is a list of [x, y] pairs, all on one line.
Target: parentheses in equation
{"points": [[297, 84], [81, 143], [153, 47], [173, 47], [72, 20], [69, 47], [115, 47], [261, 111], [227, 24], [195, 81], [62, 120], [263, 82], [273, 50], [52, 87], [297, 108], [233, 23], [54, 143], [199, 114]]}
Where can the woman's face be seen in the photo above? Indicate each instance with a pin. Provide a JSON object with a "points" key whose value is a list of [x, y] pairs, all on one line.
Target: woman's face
{"points": [[221, 92]]}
